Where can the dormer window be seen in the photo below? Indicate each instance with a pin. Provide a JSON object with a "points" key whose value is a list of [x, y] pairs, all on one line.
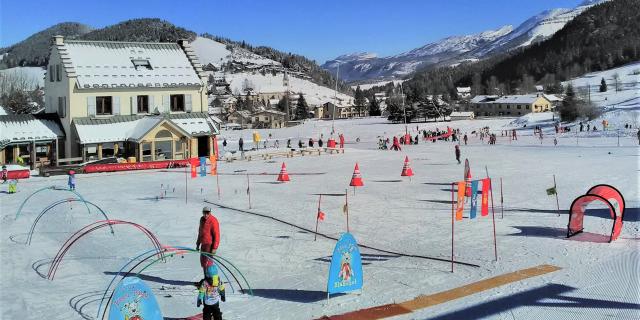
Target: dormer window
{"points": [[141, 64]]}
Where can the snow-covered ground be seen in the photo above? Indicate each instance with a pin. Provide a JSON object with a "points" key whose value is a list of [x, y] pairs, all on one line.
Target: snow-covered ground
{"points": [[32, 76], [287, 269], [216, 53], [313, 93]]}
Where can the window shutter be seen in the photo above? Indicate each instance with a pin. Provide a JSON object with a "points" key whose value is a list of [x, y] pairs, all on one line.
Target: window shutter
{"points": [[134, 104], [165, 103], [152, 105], [51, 73], [116, 106], [91, 106], [187, 102]]}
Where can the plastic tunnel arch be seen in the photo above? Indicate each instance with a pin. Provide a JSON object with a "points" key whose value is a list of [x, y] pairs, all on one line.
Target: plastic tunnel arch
{"points": [[606, 194], [55, 188], [59, 202], [168, 251], [92, 227]]}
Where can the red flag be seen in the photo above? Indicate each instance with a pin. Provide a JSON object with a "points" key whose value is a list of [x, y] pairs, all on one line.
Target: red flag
{"points": [[486, 183], [320, 215], [214, 165], [194, 166], [461, 187]]}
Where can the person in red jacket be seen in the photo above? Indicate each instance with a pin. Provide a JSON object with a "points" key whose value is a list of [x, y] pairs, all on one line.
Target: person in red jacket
{"points": [[208, 237], [341, 141]]}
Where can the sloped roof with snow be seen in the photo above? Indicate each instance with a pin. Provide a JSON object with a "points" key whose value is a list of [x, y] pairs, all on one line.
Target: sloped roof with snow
{"points": [[109, 64], [483, 98], [28, 127], [523, 98], [135, 127]]}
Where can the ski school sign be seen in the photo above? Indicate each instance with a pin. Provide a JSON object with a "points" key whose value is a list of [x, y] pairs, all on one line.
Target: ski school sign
{"points": [[133, 300], [345, 272]]}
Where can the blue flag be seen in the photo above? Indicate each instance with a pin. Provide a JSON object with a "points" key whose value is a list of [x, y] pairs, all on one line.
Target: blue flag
{"points": [[345, 272], [474, 199], [203, 166]]}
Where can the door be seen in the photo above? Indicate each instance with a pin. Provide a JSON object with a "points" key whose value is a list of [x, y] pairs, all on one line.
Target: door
{"points": [[203, 146]]}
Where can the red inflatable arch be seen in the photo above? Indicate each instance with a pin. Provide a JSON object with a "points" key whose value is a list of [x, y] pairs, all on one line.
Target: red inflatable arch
{"points": [[604, 193]]}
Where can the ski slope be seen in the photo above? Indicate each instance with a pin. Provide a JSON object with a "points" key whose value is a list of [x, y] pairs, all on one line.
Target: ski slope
{"points": [[287, 269]]}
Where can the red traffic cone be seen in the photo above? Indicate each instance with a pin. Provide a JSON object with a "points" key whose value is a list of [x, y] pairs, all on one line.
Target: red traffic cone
{"points": [[283, 176], [406, 169], [356, 179]]}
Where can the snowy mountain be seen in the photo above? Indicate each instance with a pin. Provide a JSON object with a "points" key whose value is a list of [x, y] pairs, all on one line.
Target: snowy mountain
{"points": [[453, 50]]}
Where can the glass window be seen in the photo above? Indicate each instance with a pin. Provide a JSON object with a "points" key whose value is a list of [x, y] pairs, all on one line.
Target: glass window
{"points": [[103, 105], [163, 150], [179, 153], [177, 102], [141, 64], [146, 151], [163, 134], [91, 152], [143, 104]]}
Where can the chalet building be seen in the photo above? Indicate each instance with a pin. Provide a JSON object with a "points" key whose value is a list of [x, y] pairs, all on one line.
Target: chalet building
{"points": [[329, 110], [241, 117], [29, 138], [137, 100], [268, 119], [511, 105]]}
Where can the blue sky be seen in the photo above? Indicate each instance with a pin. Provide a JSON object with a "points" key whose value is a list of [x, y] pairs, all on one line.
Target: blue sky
{"points": [[321, 29]]}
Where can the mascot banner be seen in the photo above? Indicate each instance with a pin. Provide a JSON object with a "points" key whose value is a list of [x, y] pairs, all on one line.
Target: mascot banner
{"points": [[134, 300], [345, 272]]}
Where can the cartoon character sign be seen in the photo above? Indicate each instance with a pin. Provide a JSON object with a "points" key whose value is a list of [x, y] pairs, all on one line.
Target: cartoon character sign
{"points": [[345, 267], [133, 300], [345, 272]]}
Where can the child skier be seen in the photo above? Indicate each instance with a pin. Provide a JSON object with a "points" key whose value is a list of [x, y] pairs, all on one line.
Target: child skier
{"points": [[72, 180], [13, 186], [210, 292], [5, 174]]}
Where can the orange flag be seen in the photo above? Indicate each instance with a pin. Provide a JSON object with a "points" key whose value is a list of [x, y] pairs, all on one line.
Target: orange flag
{"points": [[461, 187], [214, 165], [486, 183]]}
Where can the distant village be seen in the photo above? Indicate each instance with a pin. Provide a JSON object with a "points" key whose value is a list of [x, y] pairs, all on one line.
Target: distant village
{"points": [[155, 101]]}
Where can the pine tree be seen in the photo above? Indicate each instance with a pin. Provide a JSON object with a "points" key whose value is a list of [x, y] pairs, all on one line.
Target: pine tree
{"points": [[374, 107], [569, 108], [302, 110], [283, 103], [359, 97], [603, 85]]}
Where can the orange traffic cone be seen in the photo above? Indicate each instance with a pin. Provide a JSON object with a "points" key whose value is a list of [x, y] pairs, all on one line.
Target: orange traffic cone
{"points": [[406, 169], [356, 179], [283, 176]]}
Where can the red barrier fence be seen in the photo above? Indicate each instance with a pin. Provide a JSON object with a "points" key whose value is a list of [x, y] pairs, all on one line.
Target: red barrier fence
{"points": [[18, 174], [111, 167]]}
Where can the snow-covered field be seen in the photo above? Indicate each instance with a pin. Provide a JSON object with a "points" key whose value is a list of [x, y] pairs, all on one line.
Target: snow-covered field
{"points": [[287, 269]]}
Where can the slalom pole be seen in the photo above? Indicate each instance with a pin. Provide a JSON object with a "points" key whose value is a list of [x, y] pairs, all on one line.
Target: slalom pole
{"points": [[185, 183], [493, 215], [556, 189], [486, 171], [315, 235], [452, 227], [346, 206], [249, 190], [501, 200], [218, 184]]}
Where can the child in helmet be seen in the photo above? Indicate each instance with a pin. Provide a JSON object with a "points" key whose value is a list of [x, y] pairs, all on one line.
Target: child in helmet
{"points": [[72, 180], [210, 292]]}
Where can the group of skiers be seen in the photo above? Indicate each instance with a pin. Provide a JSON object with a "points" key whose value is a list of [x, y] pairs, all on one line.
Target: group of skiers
{"points": [[276, 144]]}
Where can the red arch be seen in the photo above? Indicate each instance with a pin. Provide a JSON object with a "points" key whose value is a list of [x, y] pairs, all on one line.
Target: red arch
{"points": [[610, 193], [576, 215], [90, 228]]}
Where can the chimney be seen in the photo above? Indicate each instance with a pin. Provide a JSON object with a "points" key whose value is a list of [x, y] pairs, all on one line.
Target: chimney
{"points": [[58, 40], [183, 42]]}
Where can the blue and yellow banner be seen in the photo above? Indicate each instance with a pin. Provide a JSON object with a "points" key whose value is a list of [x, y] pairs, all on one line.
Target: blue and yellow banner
{"points": [[345, 272]]}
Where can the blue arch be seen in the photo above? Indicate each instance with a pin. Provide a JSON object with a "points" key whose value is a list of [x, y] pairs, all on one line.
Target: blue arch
{"points": [[56, 203], [55, 188]]}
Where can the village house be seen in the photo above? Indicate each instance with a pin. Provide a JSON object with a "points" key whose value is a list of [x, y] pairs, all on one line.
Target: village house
{"points": [[241, 117], [137, 100], [510, 105], [268, 119]]}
